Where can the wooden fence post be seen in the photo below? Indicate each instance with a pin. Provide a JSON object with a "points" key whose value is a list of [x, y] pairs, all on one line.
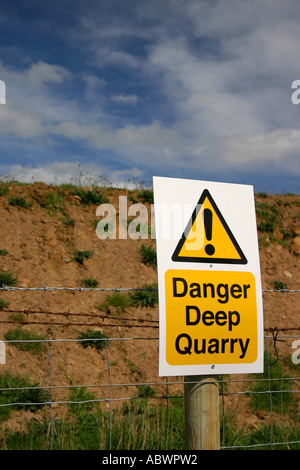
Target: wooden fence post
{"points": [[202, 421]]}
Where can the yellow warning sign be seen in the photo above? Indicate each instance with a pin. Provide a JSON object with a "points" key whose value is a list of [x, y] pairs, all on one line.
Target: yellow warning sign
{"points": [[211, 317], [207, 237]]}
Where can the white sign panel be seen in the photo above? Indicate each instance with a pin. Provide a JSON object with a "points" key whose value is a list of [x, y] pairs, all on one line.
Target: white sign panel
{"points": [[210, 300]]}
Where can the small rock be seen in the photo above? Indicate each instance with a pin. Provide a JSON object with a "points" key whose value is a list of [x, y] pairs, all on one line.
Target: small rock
{"points": [[296, 245], [277, 234], [24, 282], [288, 274]]}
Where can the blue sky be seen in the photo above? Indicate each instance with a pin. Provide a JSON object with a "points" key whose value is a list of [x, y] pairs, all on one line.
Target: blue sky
{"points": [[128, 89]]}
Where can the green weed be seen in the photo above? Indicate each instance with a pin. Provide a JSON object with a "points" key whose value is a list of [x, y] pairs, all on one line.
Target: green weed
{"points": [[279, 285], [146, 195], [83, 402], [4, 189], [54, 201], [93, 339], [66, 219], [17, 317], [146, 391], [7, 278], [30, 393], [81, 255], [3, 304], [148, 255], [17, 337], [268, 215], [148, 297], [90, 282], [89, 197], [18, 202], [119, 301]]}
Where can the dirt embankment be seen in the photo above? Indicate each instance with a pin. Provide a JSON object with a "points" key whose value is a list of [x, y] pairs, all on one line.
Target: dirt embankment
{"points": [[42, 228]]}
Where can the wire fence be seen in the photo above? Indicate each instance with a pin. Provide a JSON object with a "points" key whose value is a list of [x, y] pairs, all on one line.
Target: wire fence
{"points": [[266, 404]]}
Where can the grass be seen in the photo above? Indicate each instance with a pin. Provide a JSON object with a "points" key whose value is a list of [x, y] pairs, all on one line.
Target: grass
{"points": [[145, 298], [267, 213], [3, 304], [3, 252], [4, 188], [278, 384], [18, 202], [93, 339], [81, 255], [280, 434], [139, 424], [146, 195], [146, 391], [89, 197], [30, 393], [66, 219], [148, 255], [267, 226], [279, 285], [90, 282], [34, 344], [17, 317], [7, 278], [119, 301], [54, 201]]}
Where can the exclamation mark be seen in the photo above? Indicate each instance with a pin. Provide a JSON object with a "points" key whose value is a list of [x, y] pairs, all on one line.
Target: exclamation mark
{"points": [[208, 219]]}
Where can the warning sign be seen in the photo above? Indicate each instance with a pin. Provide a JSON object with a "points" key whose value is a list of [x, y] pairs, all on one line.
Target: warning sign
{"points": [[210, 300], [207, 236], [210, 317]]}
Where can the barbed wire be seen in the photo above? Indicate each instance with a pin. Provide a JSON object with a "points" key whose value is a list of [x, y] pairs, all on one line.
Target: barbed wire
{"points": [[77, 289], [28, 311], [99, 324], [5, 288], [123, 321]]}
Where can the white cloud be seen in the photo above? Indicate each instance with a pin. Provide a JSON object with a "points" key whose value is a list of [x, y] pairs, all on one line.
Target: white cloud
{"points": [[41, 72], [30, 106], [199, 89], [265, 148], [137, 144], [21, 121], [93, 85], [125, 99], [78, 174]]}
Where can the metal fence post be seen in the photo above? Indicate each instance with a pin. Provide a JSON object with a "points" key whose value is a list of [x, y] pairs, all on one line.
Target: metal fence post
{"points": [[202, 421]]}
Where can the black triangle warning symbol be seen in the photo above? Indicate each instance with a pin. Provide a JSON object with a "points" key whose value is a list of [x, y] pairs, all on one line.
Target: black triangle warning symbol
{"points": [[207, 237]]}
